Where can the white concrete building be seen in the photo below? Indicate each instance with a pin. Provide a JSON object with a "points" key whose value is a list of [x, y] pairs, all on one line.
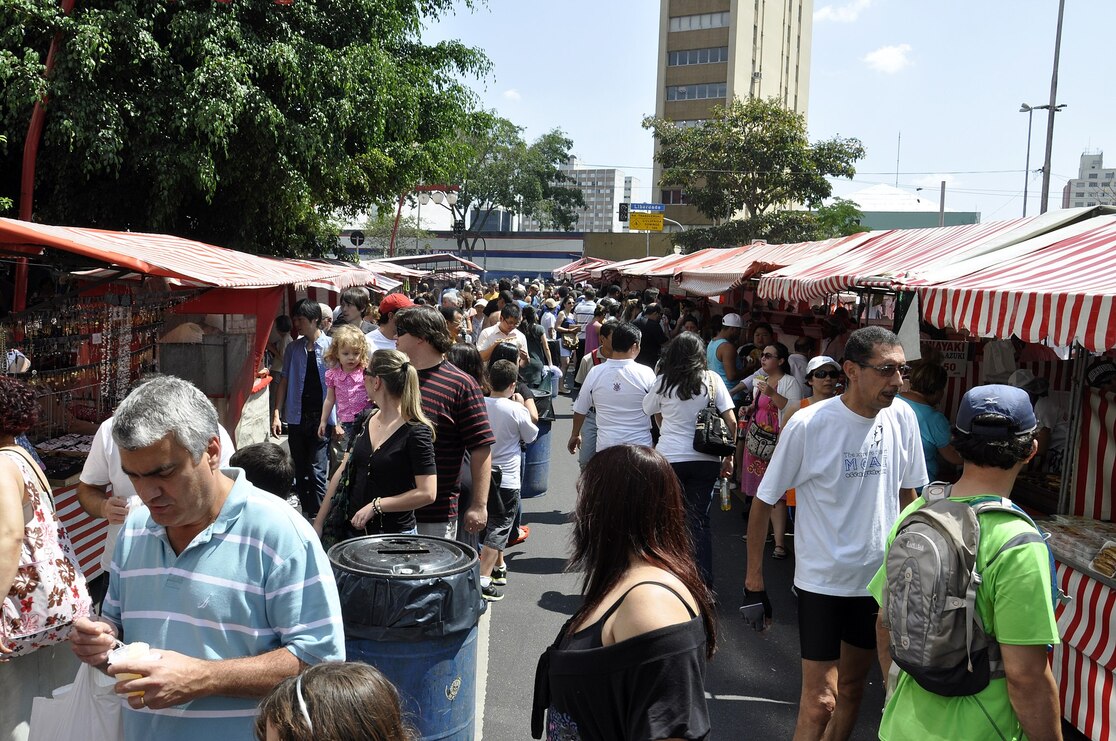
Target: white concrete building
{"points": [[603, 189], [1095, 185], [712, 51]]}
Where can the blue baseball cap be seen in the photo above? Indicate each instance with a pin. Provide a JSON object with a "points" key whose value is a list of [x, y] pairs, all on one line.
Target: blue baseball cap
{"points": [[996, 411]]}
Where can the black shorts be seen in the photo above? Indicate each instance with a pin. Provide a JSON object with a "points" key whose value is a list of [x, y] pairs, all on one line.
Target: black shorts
{"points": [[825, 622]]}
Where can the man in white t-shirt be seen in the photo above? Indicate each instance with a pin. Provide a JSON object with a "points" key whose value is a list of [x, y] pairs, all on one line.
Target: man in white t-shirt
{"points": [[383, 337], [102, 469], [504, 330], [1052, 412], [855, 462], [584, 311], [615, 389]]}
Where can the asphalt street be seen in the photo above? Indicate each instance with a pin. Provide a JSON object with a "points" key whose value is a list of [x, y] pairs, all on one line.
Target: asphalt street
{"points": [[752, 682]]}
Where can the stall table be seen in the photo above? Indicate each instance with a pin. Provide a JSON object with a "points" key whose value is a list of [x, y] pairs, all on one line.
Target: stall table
{"points": [[1085, 661]]}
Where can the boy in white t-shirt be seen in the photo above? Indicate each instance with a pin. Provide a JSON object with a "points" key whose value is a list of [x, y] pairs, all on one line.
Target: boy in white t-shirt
{"points": [[511, 424]]}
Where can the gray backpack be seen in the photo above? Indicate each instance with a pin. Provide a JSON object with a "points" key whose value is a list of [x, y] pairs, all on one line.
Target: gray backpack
{"points": [[929, 601]]}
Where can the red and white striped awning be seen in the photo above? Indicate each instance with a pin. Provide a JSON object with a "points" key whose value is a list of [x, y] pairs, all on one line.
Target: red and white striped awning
{"points": [[885, 259], [663, 267], [391, 269], [617, 267], [1060, 291], [724, 270], [184, 260], [583, 264]]}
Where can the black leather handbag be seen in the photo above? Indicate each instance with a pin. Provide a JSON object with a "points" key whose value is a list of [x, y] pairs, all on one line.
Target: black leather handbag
{"points": [[711, 433]]}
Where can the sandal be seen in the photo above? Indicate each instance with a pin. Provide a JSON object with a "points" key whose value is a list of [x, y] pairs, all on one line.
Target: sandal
{"points": [[779, 553]]}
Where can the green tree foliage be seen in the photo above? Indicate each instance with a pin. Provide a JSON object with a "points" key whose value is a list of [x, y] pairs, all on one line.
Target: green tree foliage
{"points": [[498, 168], [839, 219], [753, 158], [247, 124], [776, 227], [378, 230]]}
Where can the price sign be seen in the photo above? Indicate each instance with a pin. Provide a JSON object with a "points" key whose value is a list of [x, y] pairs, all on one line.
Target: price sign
{"points": [[955, 356]]}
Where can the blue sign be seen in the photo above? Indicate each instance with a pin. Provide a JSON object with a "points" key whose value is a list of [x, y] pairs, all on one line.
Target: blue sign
{"points": [[648, 207]]}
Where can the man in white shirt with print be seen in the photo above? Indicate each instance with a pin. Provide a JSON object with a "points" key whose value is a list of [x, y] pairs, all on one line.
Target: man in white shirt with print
{"points": [[855, 461], [616, 389], [505, 330]]}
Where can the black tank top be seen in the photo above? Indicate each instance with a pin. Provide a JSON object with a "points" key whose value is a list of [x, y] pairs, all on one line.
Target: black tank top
{"points": [[591, 635]]}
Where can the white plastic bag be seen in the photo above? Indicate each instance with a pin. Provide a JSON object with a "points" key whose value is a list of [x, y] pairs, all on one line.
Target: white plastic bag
{"points": [[82, 711]]}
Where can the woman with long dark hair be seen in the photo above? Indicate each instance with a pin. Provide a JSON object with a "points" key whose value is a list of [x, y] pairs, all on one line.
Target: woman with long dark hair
{"points": [[683, 388], [630, 663], [774, 388], [538, 351]]}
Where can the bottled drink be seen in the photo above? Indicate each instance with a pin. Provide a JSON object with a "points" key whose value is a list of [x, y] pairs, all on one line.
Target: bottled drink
{"points": [[726, 497]]}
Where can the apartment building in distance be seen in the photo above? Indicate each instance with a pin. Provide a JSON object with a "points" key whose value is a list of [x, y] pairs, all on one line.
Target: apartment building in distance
{"points": [[714, 51], [603, 189], [1095, 185]]}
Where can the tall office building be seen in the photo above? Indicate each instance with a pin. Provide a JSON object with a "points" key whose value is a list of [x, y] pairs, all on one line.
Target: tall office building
{"points": [[603, 189], [712, 51], [1095, 185]]}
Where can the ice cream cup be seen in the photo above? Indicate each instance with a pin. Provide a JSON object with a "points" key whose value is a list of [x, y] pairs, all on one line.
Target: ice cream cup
{"points": [[136, 650]]}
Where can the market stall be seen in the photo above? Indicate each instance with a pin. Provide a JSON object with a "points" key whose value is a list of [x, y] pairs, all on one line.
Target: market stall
{"points": [[118, 304], [1061, 288]]}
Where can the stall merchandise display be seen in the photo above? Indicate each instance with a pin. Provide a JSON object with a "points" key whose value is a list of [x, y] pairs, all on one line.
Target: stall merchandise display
{"points": [[1081, 540], [85, 351]]}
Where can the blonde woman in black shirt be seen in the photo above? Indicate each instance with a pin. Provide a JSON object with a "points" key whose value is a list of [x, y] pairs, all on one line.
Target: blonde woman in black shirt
{"points": [[390, 470]]}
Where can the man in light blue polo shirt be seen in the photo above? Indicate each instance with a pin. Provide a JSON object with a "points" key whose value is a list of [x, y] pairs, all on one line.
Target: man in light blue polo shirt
{"points": [[226, 583]]}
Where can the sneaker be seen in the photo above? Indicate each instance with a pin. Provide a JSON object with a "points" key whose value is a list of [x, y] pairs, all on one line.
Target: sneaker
{"points": [[500, 575], [491, 593], [522, 535]]}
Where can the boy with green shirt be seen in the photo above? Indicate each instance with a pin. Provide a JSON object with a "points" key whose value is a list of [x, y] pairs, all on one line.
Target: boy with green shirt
{"points": [[995, 436]]}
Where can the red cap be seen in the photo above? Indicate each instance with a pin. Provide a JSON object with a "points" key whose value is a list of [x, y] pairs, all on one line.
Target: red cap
{"points": [[393, 302]]}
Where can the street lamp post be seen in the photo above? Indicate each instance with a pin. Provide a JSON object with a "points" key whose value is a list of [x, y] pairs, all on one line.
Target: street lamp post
{"points": [[1030, 110], [1052, 108], [426, 193]]}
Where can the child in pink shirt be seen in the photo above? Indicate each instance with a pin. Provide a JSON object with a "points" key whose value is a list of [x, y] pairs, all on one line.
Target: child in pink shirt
{"points": [[347, 357]]}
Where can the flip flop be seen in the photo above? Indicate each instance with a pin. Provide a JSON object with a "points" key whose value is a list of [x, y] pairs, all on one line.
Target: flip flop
{"points": [[779, 553]]}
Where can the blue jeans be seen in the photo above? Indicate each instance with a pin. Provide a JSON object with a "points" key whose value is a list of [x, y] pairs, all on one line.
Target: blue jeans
{"points": [[310, 454], [697, 479]]}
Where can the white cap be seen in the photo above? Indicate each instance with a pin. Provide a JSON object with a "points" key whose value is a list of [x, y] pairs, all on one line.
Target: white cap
{"points": [[732, 319], [819, 362]]}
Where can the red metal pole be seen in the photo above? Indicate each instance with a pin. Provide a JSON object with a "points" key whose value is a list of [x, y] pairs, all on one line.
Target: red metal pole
{"points": [[30, 154], [394, 229]]}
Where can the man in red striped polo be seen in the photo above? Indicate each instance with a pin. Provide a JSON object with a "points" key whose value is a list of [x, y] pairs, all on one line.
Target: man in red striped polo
{"points": [[455, 404]]}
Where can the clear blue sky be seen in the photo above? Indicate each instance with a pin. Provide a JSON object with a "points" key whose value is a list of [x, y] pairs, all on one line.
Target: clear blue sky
{"points": [[949, 75]]}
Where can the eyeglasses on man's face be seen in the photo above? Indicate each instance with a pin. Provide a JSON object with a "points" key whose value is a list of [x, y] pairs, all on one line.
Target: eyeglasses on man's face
{"points": [[889, 370]]}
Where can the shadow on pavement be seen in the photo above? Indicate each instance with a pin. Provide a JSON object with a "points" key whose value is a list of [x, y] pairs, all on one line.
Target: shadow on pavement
{"points": [[565, 604], [534, 565], [553, 517]]}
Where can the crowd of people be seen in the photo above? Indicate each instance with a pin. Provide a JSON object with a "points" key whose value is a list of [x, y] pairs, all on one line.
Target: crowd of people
{"points": [[412, 416]]}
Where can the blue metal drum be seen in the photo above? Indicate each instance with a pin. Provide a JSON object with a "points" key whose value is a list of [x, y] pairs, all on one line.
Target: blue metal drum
{"points": [[410, 606]]}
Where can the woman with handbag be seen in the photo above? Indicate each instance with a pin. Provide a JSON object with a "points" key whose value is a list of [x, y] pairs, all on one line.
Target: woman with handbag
{"points": [[390, 470], [567, 329], [630, 663], [42, 585], [775, 387], [684, 389]]}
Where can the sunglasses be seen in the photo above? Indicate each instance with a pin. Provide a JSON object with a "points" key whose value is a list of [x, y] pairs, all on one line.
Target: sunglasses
{"points": [[887, 371], [826, 374], [768, 356]]}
